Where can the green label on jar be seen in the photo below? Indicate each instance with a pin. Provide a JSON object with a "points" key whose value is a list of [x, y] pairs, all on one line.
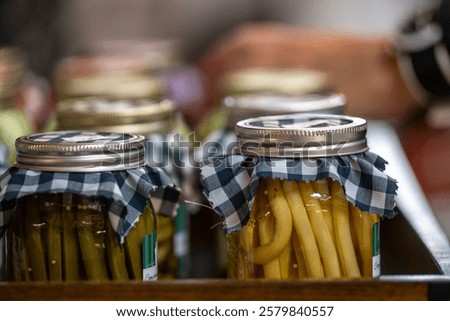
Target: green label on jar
{"points": [[149, 257], [376, 239], [376, 264]]}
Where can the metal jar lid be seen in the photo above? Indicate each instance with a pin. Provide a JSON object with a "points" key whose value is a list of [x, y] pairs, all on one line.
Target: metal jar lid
{"points": [[286, 81], [246, 106], [302, 135], [118, 86], [136, 116], [80, 151]]}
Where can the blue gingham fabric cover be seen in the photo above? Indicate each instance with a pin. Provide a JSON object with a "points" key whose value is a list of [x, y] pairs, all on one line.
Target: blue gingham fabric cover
{"points": [[231, 182], [127, 192]]}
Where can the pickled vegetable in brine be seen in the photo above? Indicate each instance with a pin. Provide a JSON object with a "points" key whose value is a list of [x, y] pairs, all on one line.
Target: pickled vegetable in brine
{"points": [[67, 237], [303, 230]]}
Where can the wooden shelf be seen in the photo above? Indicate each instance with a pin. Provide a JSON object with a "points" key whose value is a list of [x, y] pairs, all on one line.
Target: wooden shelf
{"points": [[230, 290]]}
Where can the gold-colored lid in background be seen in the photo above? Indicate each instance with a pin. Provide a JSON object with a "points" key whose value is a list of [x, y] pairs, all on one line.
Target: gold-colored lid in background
{"points": [[112, 86], [140, 116], [287, 81], [106, 76]]}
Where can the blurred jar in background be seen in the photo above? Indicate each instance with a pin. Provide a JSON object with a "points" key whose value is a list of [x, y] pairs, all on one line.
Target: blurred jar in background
{"points": [[111, 77], [153, 68], [157, 120], [286, 81], [14, 122], [163, 58], [261, 80], [36, 98], [128, 86]]}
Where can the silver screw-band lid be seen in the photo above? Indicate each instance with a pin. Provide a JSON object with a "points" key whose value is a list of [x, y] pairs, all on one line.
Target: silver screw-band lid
{"points": [[302, 135], [80, 151]]}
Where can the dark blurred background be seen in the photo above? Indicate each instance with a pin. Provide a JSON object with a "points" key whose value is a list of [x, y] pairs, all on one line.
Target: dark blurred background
{"points": [[50, 29]]}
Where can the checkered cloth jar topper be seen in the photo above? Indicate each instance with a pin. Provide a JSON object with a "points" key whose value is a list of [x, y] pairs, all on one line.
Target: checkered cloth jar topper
{"points": [[127, 191], [231, 181]]}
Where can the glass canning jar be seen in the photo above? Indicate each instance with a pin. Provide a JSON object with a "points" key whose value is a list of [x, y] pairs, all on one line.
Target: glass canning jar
{"points": [[307, 197], [77, 205], [284, 81], [260, 81], [248, 105], [141, 116], [114, 77]]}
